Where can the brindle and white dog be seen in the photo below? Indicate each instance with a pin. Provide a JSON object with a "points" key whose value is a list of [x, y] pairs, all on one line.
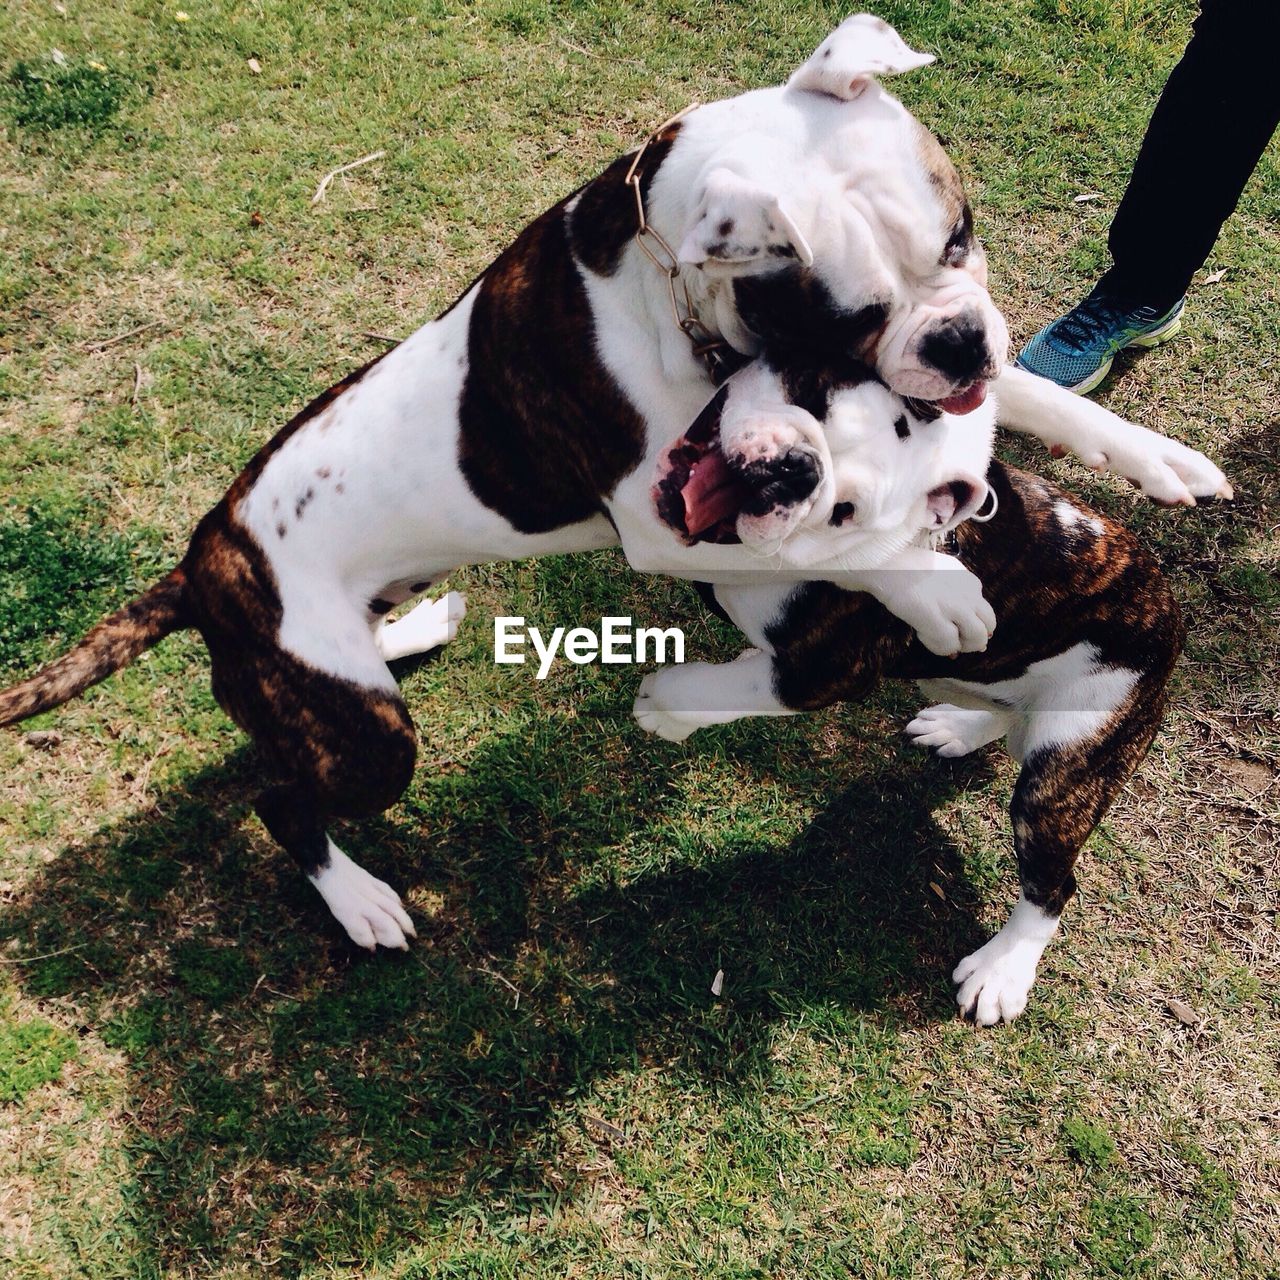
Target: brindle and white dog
{"points": [[1074, 678], [817, 217]]}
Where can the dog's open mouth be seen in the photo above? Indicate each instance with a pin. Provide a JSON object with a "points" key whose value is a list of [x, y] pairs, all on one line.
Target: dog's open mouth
{"points": [[697, 493]]}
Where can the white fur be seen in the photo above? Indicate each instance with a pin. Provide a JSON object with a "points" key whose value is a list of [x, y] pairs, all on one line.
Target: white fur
{"points": [[426, 626], [996, 979], [1056, 702], [367, 908]]}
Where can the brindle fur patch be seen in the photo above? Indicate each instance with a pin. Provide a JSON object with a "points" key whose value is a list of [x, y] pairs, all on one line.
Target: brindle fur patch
{"points": [[835, 646], [810, 386], [943, 178], [799, 322], [545, 433], [605, 219]]}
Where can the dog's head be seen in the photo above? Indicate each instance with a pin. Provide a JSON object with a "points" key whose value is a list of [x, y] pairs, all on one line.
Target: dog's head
{"points": [[812, 462], [899, 468], [826, 219]]}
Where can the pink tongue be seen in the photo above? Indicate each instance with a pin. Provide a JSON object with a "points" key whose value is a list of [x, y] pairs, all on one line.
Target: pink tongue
{"points": [[965, 401], [711, 493]]}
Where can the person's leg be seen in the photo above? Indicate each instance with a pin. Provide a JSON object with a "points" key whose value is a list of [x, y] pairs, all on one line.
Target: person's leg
{"points": [[1211, 124], [1210, 127]]}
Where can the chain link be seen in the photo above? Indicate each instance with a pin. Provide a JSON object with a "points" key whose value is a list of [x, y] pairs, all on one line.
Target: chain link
{"points": [[713, 351]]}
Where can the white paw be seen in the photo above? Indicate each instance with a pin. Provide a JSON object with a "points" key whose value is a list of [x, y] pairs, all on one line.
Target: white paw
{"points": [[953, 616], [426, 626], [996, 979], [654, 716], [993, 988], [366, 907], [1165, 470], [953, 731]]}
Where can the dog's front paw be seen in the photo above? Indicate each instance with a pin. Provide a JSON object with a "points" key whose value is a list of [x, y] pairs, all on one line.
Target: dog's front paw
{"points": [[369, 909], [1165, 470], [1178, 475], [994, 986], [950, 614], [653, 713], [952, 731]]}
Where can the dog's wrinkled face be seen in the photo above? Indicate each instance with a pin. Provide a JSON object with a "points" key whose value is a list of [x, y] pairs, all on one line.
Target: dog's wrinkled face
{"points": [[897, 469], [789, 455], [852, 235]]}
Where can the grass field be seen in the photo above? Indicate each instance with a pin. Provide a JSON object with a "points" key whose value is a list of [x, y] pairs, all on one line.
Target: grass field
{"points": [[200, 1077]]}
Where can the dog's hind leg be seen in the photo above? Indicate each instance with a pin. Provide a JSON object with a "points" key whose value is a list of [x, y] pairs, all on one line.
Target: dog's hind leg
{"points": [[366, 907], [334, 748], [1067, 783]]}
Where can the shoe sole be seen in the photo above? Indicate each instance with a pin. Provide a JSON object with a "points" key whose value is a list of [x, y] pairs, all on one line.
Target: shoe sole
{"points": [[1148, 340]]}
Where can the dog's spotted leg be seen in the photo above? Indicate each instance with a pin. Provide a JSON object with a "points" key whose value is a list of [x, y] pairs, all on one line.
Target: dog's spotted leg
{"points": [[1073, 768], [426, 626]]}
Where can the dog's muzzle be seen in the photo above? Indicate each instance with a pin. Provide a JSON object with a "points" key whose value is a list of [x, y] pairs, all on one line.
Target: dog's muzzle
{"points": [[706, 496], [947, 350]]}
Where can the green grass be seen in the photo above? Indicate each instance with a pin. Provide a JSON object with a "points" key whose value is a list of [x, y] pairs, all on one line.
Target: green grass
{"points": [[32, 1053], [199, 1077]]}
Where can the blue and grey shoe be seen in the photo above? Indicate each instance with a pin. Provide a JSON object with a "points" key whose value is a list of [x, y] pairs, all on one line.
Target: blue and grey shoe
{"points": [[1076, 350]]}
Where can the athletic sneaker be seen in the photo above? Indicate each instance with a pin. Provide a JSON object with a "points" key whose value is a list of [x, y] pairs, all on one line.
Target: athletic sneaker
{"points": [[1076, 350]]}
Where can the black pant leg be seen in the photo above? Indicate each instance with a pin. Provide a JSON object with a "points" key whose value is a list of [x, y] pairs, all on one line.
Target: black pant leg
{"points": [[1213, 121]]}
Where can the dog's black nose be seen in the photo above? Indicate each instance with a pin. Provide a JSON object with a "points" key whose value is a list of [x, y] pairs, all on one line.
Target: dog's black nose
{"points": [[779, 482], [957, 348]]}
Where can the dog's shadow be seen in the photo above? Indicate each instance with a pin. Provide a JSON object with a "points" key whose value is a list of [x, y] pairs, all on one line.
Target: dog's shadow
{"points": [[555, 950]]}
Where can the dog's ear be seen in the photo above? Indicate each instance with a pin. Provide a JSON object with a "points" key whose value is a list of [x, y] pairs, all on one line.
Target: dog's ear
{"points": [[956, 501], [859, 48], [741, 226]]}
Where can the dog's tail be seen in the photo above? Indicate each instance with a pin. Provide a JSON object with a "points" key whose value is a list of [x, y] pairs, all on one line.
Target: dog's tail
{"points": [[114, 643]]}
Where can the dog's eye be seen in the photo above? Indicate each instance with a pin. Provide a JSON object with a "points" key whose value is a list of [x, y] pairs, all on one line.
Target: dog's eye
{"points": [[960, 241], [841, 512]]}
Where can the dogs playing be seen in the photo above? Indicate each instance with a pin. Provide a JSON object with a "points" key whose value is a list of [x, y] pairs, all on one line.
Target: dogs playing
{"points": [[817, 217]]}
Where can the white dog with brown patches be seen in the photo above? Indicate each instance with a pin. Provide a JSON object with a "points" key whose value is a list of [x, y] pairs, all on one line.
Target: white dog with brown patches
{"points": [[529, 418]]}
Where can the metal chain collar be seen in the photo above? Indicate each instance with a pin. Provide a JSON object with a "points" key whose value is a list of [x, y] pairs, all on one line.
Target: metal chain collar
{"points": [[719, 357]]}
